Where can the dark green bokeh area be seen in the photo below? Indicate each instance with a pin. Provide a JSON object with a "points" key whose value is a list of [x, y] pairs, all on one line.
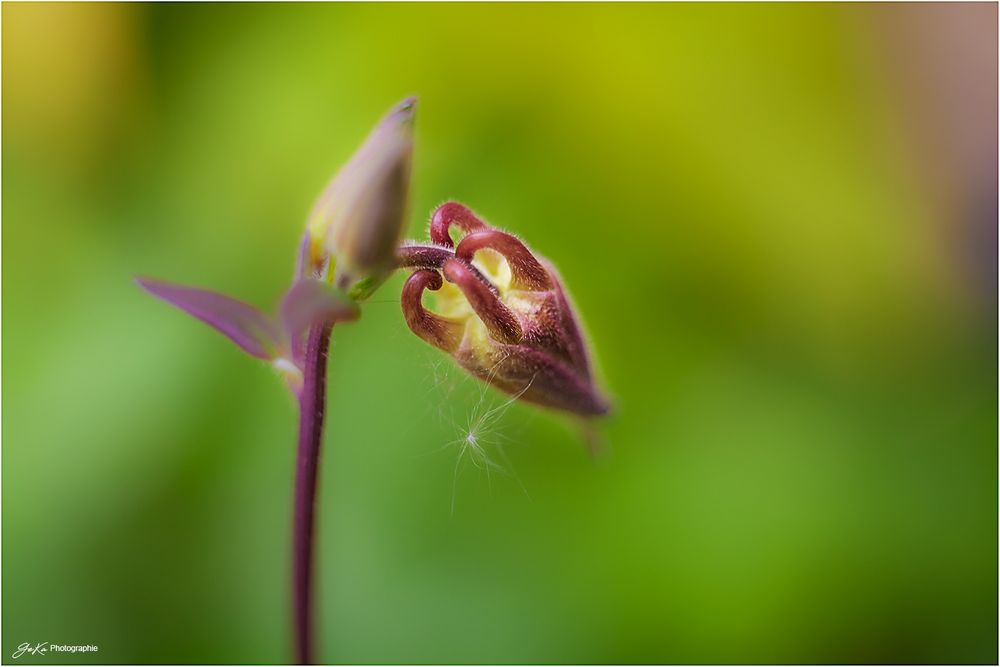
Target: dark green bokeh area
{"points": [[779, 225]]}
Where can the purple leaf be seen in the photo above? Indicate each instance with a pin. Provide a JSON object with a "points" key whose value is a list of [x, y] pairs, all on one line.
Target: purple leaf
{"points": [[246, 326], [309, 301]]}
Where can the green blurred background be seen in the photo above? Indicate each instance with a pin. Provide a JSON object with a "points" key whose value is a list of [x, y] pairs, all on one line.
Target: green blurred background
{"points": [[778, 221]]}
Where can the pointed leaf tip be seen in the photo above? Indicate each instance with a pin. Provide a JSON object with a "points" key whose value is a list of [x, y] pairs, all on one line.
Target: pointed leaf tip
{"points": [[253, 331]]}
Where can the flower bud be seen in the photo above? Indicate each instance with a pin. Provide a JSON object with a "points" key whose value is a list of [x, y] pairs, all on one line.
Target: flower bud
{"points": [[358, 221], [503, 313]]}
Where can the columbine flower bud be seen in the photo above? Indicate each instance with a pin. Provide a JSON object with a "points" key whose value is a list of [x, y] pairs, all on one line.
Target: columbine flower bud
{"points": [[357, 223], [502, 313]]}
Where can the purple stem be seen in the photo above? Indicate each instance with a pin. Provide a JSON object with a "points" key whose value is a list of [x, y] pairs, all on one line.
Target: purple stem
{"points": [[312, 401]]}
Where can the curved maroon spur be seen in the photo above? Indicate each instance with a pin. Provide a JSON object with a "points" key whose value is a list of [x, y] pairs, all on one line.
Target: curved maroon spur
{"points": [[508, 323]]}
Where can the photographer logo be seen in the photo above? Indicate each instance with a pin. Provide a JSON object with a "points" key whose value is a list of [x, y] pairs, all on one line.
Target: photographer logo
{"points": [[44, 648]]}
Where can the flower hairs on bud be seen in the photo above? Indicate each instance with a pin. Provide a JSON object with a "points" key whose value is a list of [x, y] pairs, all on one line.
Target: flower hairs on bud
{"points": [[508, 323]]}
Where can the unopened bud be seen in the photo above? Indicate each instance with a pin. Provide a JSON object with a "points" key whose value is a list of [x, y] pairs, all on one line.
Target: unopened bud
{"points": [[358, 221]]}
